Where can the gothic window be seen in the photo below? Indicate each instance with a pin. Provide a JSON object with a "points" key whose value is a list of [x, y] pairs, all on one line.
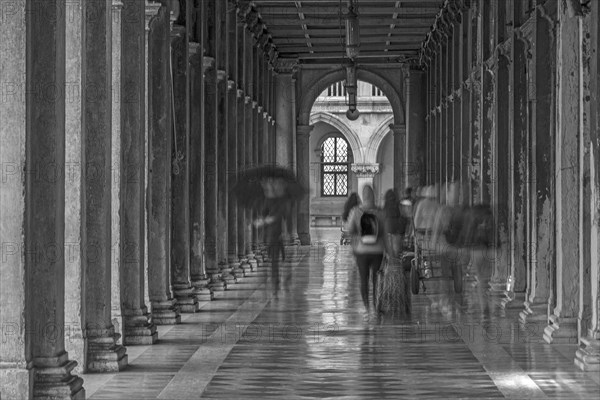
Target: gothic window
{"points": [[334, 167]]}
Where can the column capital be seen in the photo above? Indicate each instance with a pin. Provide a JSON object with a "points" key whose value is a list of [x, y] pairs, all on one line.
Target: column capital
{"points": [[208, 62], [230, 84], [117, 4], [265, 114], [259, 109], [247, 99], [254, 103], [286, 65], [365, 170], [221, 75], [304, 130], [151, 12], [240, 93]]}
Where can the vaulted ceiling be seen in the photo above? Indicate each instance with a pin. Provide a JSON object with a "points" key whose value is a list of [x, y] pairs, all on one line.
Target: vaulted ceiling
{"points": [[314, 31]]}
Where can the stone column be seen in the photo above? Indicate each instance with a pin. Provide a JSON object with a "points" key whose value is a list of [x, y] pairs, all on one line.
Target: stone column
{"points": [[242, 142], [74, 273], [519, 162], [198, 276], [164, 309], [210, 178], [151, 9], [365, 174], [284, 126], [249, 146], [587, 356], [137, 328], [180, 173], [303, 163], [103, 353], [562, 324], [500, 175], [117, 318], [542, 169], [475, 156], [414, 151], [293, 156], [222, 135], [400, 163], [233, 163], [32, 221]]}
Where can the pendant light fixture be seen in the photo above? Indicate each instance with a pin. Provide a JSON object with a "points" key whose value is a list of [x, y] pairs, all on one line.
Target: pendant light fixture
{"points": [[351, 90], [352, 31]]}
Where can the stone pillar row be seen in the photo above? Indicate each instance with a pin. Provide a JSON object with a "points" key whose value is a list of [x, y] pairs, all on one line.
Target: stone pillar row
{"points": [[115, 193], [511, 113]]}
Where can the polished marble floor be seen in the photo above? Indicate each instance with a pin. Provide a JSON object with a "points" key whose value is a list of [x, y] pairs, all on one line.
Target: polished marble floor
{"points": [[313, 340]]}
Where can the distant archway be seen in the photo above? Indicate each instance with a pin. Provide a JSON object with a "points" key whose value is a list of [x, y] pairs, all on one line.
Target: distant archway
{"points": [[318, 85], [341, 126]]}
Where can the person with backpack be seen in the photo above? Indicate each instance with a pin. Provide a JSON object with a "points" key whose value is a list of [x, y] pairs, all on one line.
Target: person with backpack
{"points": [[368, 244]]}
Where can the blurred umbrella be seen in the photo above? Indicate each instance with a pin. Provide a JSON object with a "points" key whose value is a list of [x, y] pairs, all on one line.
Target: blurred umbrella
{"points": [[254, 186]]}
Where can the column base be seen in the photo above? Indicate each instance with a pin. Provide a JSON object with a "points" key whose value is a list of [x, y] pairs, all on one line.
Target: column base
{"points": [[217, 283], [252, 261], [561, 330], [138, 329], [203, 293], [16, 381], [587, 357], [165, 312], [53, 379], [534, 312], [498, 295], [184, 298], [104, 354], [226, 273], [517, 301], [304, 239], [245, 265]]}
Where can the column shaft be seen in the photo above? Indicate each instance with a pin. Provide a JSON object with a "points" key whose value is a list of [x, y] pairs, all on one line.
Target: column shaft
{"points": [[198, 276], [180, 172], [137, 329], [104, 354], [303, 163], [164, 310]]}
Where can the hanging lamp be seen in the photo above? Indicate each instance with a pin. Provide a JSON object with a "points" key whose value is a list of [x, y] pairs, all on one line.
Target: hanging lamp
{"points": [[352, 31], [351, 90]]}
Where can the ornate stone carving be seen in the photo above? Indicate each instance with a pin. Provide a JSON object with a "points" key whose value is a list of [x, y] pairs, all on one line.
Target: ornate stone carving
{"points": [[286, 65], [208, 62], [247, 99], [221, 75], [365, 170], [230, 84], [240, 93], [151, 12]]}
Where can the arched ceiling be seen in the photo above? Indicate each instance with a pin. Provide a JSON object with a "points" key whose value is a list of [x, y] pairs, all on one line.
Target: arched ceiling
{"points": [[314, 31]]}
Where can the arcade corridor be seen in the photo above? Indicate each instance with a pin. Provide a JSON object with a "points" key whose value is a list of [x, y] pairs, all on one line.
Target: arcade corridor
{"points": [[313, 341], [127, 249]]}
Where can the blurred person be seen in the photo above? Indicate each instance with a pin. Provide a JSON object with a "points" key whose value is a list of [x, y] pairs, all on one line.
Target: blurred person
{"points": [[395, 223], [274, 212], [352, 202], [368, 244]]}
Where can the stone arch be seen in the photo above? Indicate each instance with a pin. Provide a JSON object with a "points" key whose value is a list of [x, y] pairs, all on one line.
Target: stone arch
{"points": [[318, 85], [376, 138], [340, 125]]}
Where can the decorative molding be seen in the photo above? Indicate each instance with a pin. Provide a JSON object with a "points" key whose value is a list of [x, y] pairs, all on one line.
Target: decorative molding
{"points": [[365, 170], [254, 103], [117, 4], [240, 93], [265, 114], [398, 129], [286, 65], [230, 84], [260, 109], [208, 62], [221, 75], [151, 12]]}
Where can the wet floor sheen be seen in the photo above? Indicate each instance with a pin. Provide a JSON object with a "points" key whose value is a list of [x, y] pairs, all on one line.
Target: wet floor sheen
{"points": [[313, 340]]}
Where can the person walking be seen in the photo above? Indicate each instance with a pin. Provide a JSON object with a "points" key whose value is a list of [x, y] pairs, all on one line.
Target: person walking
{"points": [[368, 243]]}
